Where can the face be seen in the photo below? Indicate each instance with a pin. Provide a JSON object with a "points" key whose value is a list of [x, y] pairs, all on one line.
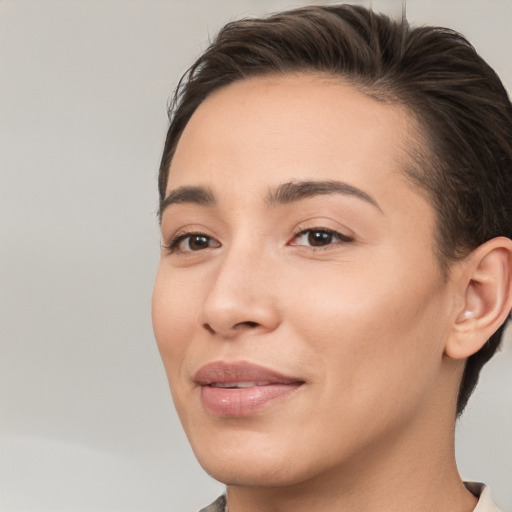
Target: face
{"points": [[299, 308]]}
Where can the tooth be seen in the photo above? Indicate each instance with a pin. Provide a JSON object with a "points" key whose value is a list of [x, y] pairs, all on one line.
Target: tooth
{"points": [[234, 385]]}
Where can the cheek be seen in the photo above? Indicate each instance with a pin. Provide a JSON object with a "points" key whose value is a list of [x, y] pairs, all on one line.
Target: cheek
{"points": [[374, 331], [172, 310]]}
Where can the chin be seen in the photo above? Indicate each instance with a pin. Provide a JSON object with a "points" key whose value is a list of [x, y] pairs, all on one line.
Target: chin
{"points": [[249, 473], [260, 460], [247, 460]]}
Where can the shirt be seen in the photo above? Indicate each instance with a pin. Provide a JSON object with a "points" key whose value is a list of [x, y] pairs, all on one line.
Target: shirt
{"points": [[485, 502]]}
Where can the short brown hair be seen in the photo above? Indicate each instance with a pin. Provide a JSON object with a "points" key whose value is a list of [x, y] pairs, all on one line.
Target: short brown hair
{"points": [[460, 103]]}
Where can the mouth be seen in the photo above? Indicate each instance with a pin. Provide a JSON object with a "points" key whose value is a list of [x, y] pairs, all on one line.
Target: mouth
{"points": [[237, 385], [241, 388]]}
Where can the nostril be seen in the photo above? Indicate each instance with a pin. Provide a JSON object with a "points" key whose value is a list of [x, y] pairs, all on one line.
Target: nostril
{"points": [[237, 327], [209, 328], [247, 324]]}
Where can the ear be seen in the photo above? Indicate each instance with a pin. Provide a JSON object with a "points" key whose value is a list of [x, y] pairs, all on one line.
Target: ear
{"points": [[486, 290]]}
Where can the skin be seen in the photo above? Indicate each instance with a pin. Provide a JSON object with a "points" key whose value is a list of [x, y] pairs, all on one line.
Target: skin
{"points": [[363, 320]]}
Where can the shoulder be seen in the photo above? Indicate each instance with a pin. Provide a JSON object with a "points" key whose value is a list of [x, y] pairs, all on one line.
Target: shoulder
{"points": [[485, 501]]}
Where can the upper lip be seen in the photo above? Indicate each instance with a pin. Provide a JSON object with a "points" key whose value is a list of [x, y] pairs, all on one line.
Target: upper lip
{"points": [[224, 372]]}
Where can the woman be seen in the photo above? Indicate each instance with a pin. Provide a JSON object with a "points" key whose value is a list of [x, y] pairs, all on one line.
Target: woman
{"points": [[336, 213]]}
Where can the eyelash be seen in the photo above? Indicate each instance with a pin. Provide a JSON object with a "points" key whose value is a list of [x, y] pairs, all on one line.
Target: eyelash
{"points": [[331, 232], [174, 245]]}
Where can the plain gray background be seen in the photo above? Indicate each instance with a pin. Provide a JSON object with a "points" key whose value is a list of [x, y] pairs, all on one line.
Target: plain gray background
{"points": [[86, 418]]}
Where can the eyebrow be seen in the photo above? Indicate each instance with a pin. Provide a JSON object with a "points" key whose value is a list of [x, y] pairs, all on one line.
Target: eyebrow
{"points": [[298, 190], [192, 195], [283, 194]]}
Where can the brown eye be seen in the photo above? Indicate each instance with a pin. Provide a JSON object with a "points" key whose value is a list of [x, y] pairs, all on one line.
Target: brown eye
{"points": [[197, 242], [191, 242], [319, 238]]}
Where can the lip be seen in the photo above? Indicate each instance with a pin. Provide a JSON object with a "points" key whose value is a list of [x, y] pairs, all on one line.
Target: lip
{"points": [[220, 394]]}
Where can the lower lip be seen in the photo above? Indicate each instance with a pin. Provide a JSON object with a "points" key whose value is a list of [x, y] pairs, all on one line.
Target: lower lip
{"points": [[243, 401]]}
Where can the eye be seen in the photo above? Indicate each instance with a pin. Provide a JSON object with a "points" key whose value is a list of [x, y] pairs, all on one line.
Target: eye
{"points": [[319, 237], [191, 242]]}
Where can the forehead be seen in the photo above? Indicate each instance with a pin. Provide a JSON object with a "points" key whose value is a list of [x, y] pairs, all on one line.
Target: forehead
{"points": [[264, 131]]}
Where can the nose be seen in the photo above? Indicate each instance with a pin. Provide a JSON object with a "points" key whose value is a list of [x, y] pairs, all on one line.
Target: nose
{"points": [[242, 297]]}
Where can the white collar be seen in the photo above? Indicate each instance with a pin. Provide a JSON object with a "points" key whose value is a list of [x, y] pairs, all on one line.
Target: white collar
{"points": [[485, 501]]}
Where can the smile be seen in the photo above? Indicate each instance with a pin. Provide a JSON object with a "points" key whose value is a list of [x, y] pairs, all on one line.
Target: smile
{"points": [[235, 385], [241, 389]]}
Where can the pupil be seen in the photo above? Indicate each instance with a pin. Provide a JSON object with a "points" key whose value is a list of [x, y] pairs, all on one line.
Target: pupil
{"points": [[318, 238], [198, 242]]}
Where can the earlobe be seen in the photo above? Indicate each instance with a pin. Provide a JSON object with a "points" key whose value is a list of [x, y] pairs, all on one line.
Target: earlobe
{"points": [[487, 297]]}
